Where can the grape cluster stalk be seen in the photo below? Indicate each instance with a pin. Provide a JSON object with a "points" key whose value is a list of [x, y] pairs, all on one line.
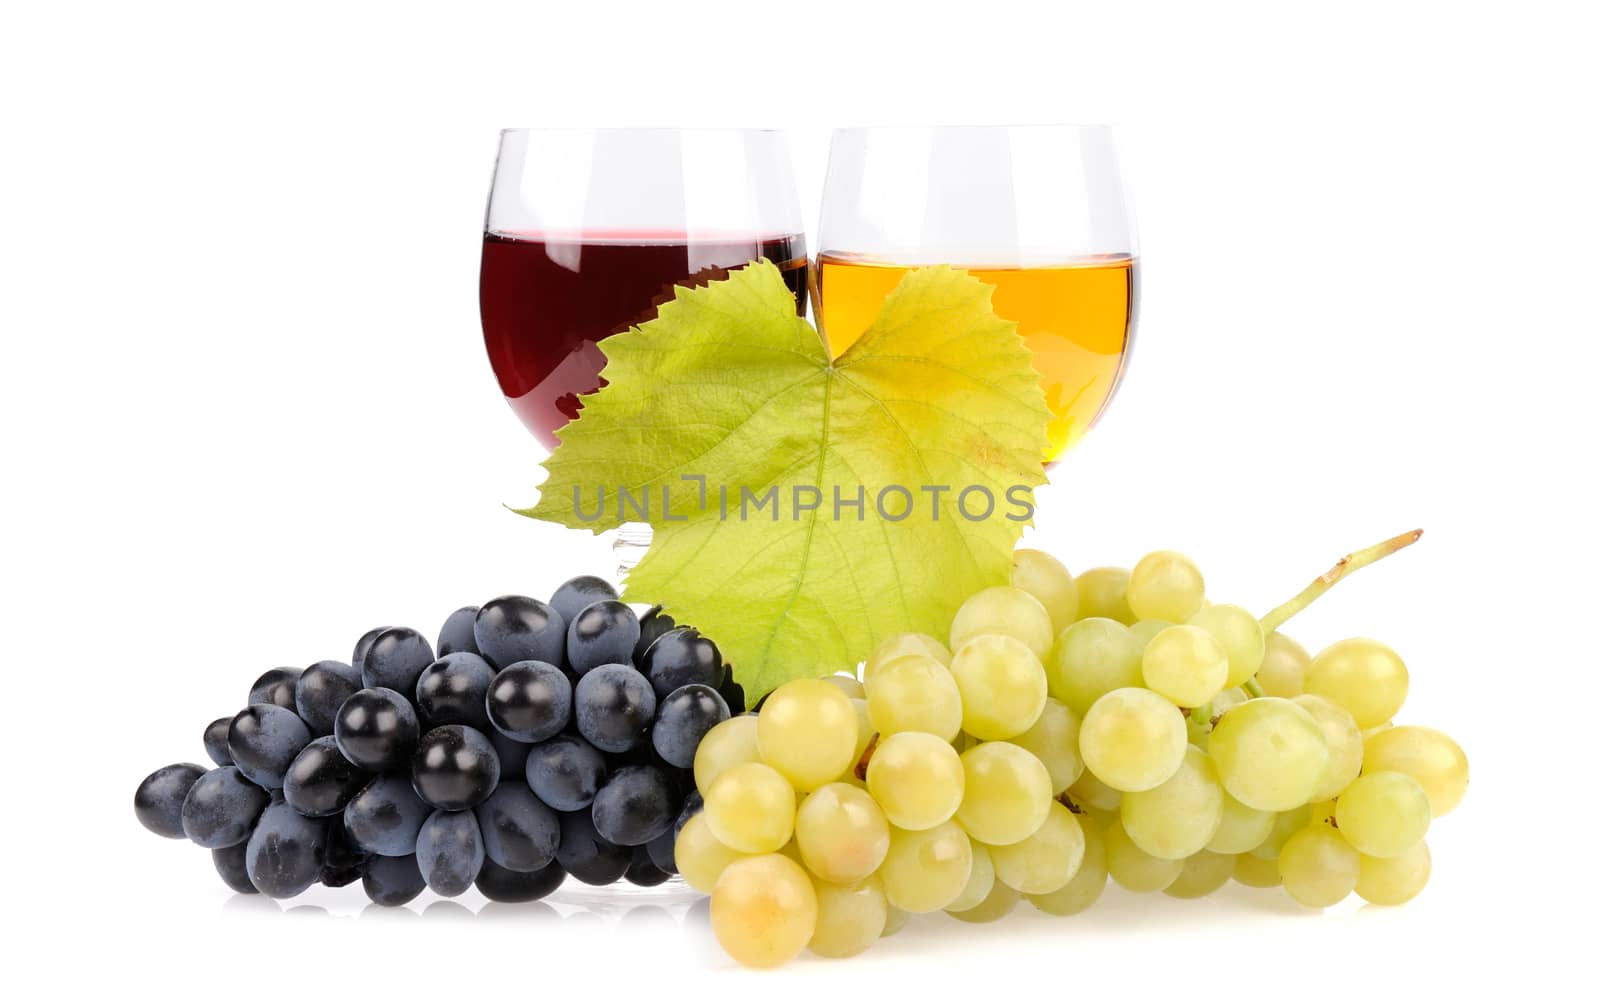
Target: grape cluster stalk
{"points": [[530, 742], [1116, 726]]}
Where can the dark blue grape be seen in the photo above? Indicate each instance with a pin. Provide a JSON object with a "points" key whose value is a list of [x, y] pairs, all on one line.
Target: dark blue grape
{"points": [[578, 594], [396, 660], [452, 689], [682, 657], [338, 878], [603, 633], [341, 850], [230, 865], [450, 852], [364, 644], [321, 780], [222, 807], [643, 871], [661, 851], [216, 741], [614, 705], [692, 803], [502, 885], [275, 687], [513, 756], [520, 833], [651, 625], [263, 740], [733, 694], [565, 773], [158, 801], [392, 881], [634, 806], [515, 628], [377, 729], [385, 817], [530, 701], [455, 768], [456, 633], [586, 855], [322, 689], [682, 721], [284, 856]]}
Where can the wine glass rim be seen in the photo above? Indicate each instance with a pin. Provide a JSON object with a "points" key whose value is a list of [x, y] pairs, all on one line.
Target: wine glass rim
{"points": [[645, 129], [1022, 126]]}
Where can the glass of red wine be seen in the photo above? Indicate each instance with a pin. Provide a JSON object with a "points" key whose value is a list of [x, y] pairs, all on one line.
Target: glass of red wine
{"points": [[589, 230]]}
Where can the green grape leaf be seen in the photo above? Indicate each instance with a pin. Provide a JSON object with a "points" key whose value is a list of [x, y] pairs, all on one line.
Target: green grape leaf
{"points": [[806, 507]]}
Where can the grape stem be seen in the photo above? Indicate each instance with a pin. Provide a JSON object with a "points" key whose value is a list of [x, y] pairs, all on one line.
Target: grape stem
{"points": [[1347, 565]]}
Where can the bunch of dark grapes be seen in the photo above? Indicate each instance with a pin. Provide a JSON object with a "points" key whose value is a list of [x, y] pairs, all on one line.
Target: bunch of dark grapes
{"points": [[532, 741]]}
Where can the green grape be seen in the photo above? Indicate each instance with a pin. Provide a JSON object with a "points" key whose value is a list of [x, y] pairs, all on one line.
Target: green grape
{"points": [[841, 833], [1324, 812], [1283, 667], [730, 742], [1344, 745], [1257, 873], [1047, 579], [1318, 867], [898, 646], [1000, 901], [914, 692], [1383, 814], [1437, 763], [1093, 657], [1178, 817], [1240, 635], [807, 731], [1053, 739], [1132, 868], [1186, 665], [1103, 594], [1365, 677], [750, 808], [917, 779], [1284, 826], [1227, 699], [1270, 753], [700, 856], [1372, 731], [849, 918], [1166, 585], [763, 910], [1002, 686], [1003, 611], [1204, 872], [980, 880], [1133, 739], [1045, 861], [926, 870], [1095, 794], [895, 921], [1085, 887], [1241, 828], [848, 684], [1396, 880], [1145, 630], [1007, 793]]}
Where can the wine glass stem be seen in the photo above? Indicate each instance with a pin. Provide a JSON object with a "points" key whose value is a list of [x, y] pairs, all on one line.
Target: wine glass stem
{"points": [[633, 539]]}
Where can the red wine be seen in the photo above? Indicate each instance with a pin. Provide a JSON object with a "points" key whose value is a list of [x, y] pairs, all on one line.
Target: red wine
{"points": [[546, 301]]}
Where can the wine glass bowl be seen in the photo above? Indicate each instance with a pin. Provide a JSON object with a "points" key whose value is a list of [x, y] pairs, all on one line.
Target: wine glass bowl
{"points": [[1038, 212], [588, 231]]}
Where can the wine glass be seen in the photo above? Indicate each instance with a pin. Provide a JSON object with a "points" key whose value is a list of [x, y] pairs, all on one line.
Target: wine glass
{"points": [[1039, 212], [589, 230]]}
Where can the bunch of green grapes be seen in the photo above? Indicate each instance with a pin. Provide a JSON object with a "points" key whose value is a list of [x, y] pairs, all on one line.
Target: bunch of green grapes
{"points": [[1069, 731]]}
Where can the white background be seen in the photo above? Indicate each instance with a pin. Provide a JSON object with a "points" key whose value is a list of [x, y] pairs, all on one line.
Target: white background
{"points": [[247, 415]]}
